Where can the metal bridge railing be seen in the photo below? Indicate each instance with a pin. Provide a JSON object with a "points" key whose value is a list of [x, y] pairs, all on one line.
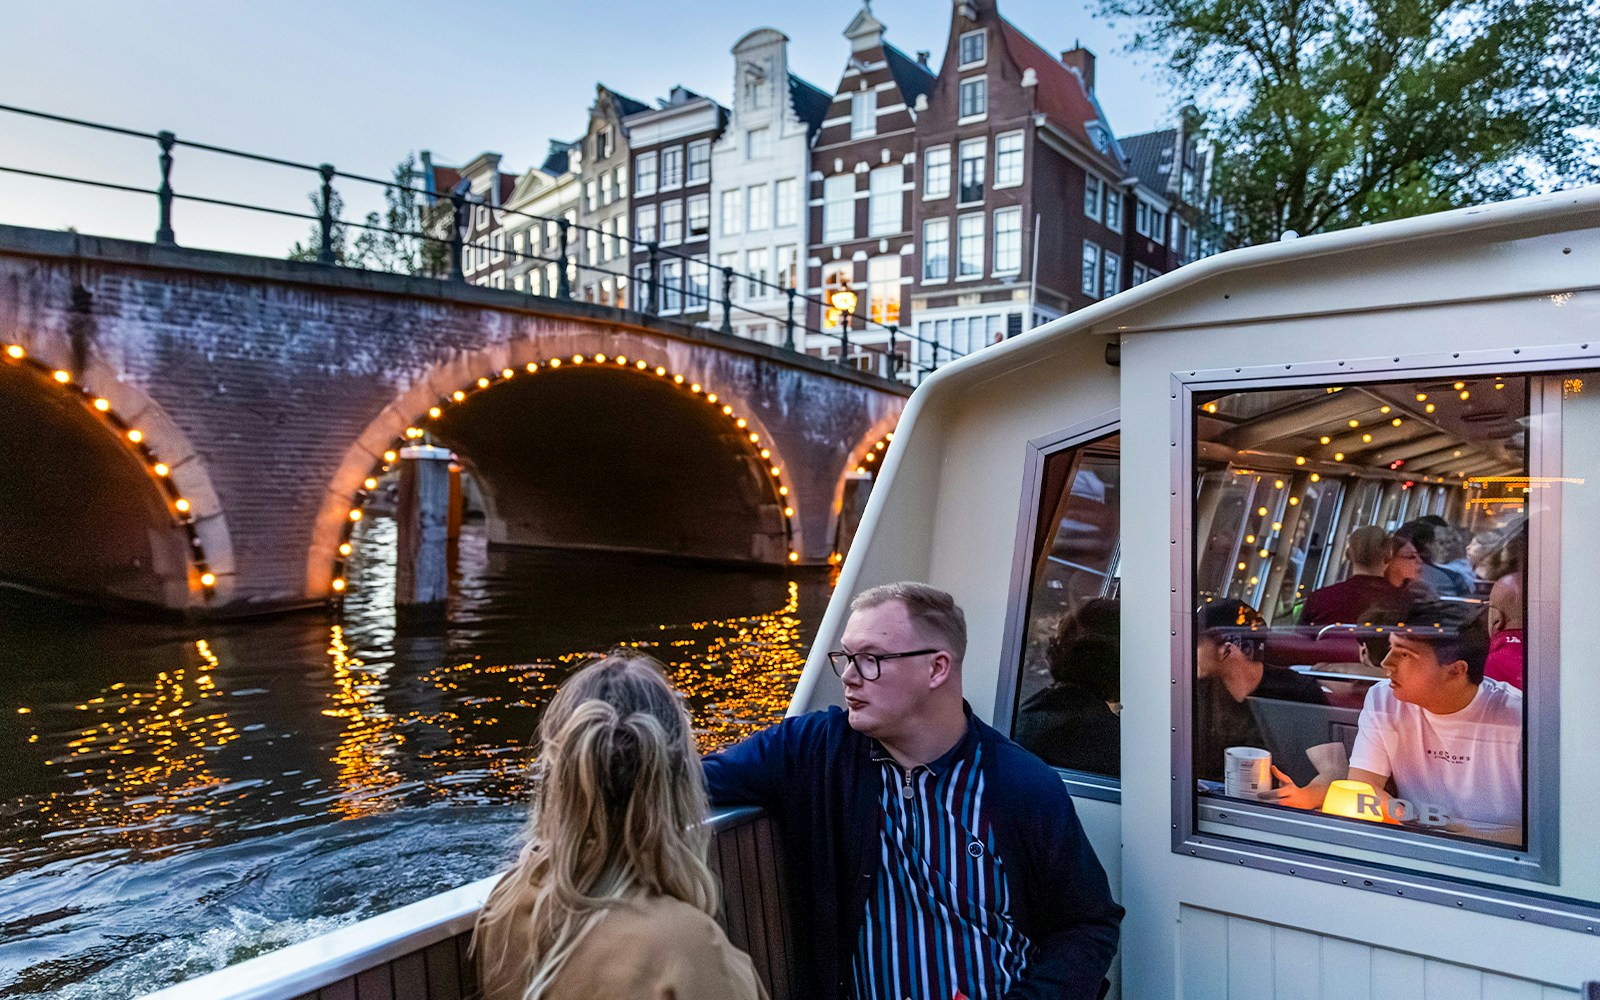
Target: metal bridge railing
{"points": [[885, 356]]}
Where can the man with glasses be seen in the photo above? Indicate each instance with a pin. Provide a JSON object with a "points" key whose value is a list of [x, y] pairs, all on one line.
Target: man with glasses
{"points": [[931, 856]]}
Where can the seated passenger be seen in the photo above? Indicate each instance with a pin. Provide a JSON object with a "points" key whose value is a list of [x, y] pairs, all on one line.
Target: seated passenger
{"points": [[1435, 542], [1366, 587], [1230, 667], [1505, 564], [612, 897], [1074, 722], [1449, 738]]}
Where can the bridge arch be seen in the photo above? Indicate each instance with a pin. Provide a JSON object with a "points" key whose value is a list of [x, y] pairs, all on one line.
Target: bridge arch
{"points": [[724, 433], [144, 526], [865, 456]]}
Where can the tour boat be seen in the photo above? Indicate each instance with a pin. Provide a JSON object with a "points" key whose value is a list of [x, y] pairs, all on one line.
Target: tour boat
{"points": [[1218, 434]]}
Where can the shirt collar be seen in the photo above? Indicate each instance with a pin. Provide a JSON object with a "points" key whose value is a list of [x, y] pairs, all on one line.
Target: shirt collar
{"points": [[963, 749]]}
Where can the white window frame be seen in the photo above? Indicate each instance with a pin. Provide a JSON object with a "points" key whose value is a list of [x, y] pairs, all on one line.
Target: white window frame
{"points": [[838, 211], [757, 269], [1008, 240], [980, 85], [698, 207], [671, 222], [1000, 176], [982, 36], [788, 266], [1110, 273], [889, 287], [758, 208], [936, 176], [981, 159], [1093, 186], [645, 219], [1091, 269], [671, 155], [751, 150], [935, 230], [699, 168], [961, 247], [732, 211], [644, 173], [671, 290], [786, 202], [1114, 208], [885, 200], [863, 113]]}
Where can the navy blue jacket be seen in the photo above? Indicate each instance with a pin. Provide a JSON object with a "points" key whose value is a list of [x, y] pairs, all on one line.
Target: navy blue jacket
{"points": [[815, 775]]}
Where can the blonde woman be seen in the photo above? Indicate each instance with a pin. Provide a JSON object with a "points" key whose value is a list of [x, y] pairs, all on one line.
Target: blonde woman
{"points": [[611, 897]]}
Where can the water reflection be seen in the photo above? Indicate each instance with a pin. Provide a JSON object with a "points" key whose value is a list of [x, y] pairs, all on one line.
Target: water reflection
{"points": [[185, 760]]}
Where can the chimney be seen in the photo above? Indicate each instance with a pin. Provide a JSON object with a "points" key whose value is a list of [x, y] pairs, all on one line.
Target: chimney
{"points": [[922, 58], [1081, 61]]}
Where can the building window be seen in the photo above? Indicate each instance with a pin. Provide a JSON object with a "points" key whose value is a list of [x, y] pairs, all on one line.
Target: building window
{"points": [[671, 285], [756, 263], [1111, 267], [757, 86], [672, 222], [786, 193], [497, 247], [969, 246], [644, 223], [1069, 664], [839, 208], [974, 98], [1091, 269], [789, 267], [699, 161], [699, 290], [972, 48], [592, 245], [760, 208], [884, 200], [607, 196], [621, 175], [672, 167], [758, 143], [1148, 220], [935, 249], [590, 199], [836, 276], [644, 173], [936, 172], [971, 172], [1091, 196], [603, 146], [733, 212], [699, 215], [863, 113], [883, 290], [1008, 160], [1141, 274], [1008, 241], [1113, 209], [728, 262]]}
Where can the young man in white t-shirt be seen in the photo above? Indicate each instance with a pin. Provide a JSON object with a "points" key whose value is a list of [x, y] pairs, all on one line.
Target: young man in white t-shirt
{"points": [[1450, 739]]}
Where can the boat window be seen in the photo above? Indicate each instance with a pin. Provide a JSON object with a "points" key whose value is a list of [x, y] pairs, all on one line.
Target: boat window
{"points": [[1361, 564], [1069, 696]]}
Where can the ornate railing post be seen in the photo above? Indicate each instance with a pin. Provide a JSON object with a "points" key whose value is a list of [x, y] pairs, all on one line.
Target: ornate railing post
{"points": [[652, 303], [727, 300], [894, 354], [844, 337], [325, 248], [788, 324], [164, 234], [458, 226], [564, 283]]}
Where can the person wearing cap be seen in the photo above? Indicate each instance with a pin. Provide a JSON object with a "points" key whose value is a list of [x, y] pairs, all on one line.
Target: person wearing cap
{"points": [[1366, 587]]}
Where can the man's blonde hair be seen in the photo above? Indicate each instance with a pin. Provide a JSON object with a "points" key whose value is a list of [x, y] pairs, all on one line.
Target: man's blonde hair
{"points": [[930, 608]]}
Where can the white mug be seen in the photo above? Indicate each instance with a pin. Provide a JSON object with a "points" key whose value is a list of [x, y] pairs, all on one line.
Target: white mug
{"points": [[1246, 772]]}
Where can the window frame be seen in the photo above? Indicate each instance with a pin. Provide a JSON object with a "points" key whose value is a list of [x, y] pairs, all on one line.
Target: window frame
{"points": [[930, 279], [980, 85], [639, 174], [981, 144], [995, 267], [983, 246], [697, 169], [880, 202], [672, 155], [1080, 784], [1020, 153], [982, 35], [864, 114], [1258, 833], [929, 165], [845, 205]]}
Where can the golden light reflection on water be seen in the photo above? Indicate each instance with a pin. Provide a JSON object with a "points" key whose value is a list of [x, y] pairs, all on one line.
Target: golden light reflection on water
{"points": [[140, 765]]}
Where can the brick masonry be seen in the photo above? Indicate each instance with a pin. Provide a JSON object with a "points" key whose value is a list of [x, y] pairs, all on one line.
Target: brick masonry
{"points": [[272, 388]]}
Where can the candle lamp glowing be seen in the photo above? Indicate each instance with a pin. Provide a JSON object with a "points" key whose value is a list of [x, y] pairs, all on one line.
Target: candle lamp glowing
{"points": [[1354, 799]]}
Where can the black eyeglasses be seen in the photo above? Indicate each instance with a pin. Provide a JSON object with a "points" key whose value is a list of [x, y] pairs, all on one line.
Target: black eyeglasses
{"points": [[868, 665]]}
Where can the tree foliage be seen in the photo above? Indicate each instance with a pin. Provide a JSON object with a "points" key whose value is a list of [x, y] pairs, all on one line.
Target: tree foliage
{"points": [[1332, 113], [386, 240]]}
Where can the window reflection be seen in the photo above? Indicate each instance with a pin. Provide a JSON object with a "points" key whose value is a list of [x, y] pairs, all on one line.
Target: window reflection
{"points": [[1069, 698], [1361, 555]]}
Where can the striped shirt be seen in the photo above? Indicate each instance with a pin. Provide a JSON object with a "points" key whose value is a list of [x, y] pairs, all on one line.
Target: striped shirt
{"points": [[938, 920]]}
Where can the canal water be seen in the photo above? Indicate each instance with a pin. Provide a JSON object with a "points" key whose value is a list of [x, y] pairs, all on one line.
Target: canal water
{"points": [[177, 798]]}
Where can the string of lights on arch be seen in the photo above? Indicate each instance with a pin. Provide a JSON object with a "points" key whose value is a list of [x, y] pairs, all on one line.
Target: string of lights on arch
{"points": [[414, 434], [871, 458], [178, 506]]}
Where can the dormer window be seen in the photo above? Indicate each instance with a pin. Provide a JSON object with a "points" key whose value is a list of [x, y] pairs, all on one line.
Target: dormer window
{"points": [[972, 48]]}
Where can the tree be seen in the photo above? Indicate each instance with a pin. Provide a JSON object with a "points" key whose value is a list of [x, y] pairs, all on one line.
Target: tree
{"points": [[1332, 113], [387, 240]]}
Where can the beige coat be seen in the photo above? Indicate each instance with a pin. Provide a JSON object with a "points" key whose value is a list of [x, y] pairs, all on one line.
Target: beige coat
{"points": [[658, 948]]}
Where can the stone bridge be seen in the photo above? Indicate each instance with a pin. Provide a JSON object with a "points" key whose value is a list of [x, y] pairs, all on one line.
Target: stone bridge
{"points": [[200, 431]]}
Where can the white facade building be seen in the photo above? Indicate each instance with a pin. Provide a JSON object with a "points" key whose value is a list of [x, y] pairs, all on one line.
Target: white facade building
{"points": [[551, 193], [758, 178]]}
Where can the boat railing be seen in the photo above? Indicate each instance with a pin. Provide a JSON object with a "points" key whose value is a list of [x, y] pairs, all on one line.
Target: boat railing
{"points": [[420, 951]]}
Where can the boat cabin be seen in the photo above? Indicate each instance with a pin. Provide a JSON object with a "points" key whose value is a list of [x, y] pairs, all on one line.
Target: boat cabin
{"points": [[1152, 511]]}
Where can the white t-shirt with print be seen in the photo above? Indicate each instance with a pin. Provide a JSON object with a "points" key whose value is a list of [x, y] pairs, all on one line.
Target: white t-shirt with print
{"points": [[1469, 763]]}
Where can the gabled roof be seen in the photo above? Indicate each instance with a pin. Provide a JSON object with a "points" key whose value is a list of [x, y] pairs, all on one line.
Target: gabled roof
{"points": [[1062, 96], [913, 78], [1150, 157], [558, 161], [810, 104], [625, 105]]}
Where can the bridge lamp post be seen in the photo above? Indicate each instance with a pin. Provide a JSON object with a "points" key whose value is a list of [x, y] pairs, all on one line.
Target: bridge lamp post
{"points": [[841, 307]]}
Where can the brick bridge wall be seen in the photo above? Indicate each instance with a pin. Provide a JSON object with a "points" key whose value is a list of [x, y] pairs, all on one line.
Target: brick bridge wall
{"points": [[272, 390]]}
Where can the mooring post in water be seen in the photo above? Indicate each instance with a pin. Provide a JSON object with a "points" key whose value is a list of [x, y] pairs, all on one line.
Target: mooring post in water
{"points": [[422, 567], [456, 502]]}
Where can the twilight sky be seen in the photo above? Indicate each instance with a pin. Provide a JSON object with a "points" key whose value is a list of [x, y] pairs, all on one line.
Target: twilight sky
{"points": [[358, 84]]}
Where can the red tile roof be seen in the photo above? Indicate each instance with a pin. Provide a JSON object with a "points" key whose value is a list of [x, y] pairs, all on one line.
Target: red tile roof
{"points": [[1062, 96]]}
